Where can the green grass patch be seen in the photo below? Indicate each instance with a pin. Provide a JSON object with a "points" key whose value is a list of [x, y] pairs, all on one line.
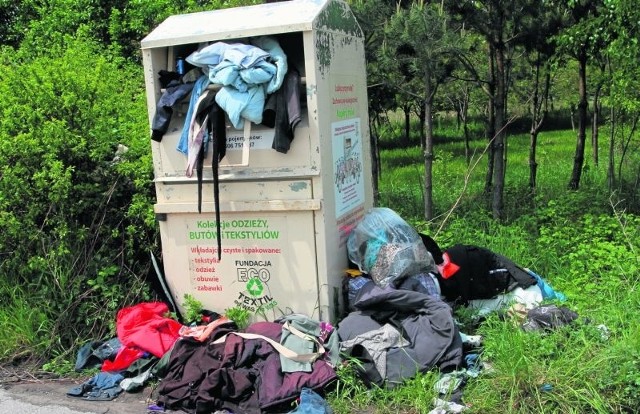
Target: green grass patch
{"points": [[585, 243], [25, 326]]}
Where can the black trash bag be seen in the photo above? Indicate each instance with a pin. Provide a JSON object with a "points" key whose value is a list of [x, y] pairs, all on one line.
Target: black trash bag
{"points": [[548, 318]]}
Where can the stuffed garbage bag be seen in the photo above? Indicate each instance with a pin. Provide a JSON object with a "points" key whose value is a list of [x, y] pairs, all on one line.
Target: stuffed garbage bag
{"points": [[387, 248]]}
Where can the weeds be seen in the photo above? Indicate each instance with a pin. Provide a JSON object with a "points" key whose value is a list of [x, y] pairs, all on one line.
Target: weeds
{"points": [[239, 315], [24, 325], [583, 243], [192, 309]]}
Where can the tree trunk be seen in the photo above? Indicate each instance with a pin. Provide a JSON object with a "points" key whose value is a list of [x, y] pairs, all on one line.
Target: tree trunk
{"points": [[464, 113], [594, 124], [375, 160], [533, 132], [578, 160], [572, 112], [537, 118], [428, 149], [533, 165], [499, 161], [611, 174], [423, 137], [625, 145], [407, 127], [491, 124]]}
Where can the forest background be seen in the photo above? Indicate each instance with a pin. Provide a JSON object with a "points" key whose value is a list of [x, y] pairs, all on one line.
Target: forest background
{"points": [[509, 125]]}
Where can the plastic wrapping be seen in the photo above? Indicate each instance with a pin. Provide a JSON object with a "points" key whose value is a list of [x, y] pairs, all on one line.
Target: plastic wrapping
{"points": [[387, 248]]}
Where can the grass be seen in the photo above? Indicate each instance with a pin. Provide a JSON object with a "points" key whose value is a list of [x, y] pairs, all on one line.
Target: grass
{"points": [[402, 174], [585, 246], [24, 326]]}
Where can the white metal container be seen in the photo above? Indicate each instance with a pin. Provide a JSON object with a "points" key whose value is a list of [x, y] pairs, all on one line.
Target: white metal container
{"points": [[284, 217]]}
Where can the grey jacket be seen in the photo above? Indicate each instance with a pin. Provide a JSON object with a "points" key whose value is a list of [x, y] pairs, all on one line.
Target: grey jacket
{"points": [[426, 322]]}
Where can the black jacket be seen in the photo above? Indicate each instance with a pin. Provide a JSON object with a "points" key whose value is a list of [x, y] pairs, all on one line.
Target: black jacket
{"points": [[483, 274]]}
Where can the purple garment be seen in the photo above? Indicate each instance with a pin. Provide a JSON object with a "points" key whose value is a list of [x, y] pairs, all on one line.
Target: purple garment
{"points": [[241, 375]]}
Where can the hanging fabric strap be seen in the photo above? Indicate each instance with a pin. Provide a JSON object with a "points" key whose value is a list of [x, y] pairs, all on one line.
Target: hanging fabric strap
{"points": [[219, 137], [283, 350], [199, 167], [197, 130], [303, 335], [216, 196]]}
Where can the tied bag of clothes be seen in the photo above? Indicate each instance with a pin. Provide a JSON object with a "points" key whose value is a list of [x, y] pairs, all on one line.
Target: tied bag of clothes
{"points": [[387, 248]]}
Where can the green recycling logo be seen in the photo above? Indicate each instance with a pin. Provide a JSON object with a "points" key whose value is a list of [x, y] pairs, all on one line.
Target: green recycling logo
{"points": [[255, 287]]}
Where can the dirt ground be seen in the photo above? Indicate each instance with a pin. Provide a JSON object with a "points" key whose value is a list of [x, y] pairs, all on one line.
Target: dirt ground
{"points": [[44, 389]]}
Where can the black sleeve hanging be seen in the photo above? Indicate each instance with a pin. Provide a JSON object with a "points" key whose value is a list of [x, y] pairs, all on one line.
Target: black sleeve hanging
{"points": [[219, 139], [199, 167]]}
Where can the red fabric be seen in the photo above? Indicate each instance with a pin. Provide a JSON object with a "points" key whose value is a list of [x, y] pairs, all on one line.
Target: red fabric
{"points": [[144, 326], [447, 268], [125, 357]]}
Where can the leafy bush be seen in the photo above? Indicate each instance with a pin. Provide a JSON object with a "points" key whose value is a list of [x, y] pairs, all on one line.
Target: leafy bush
{"points": [[117, 26], [75, 215]]}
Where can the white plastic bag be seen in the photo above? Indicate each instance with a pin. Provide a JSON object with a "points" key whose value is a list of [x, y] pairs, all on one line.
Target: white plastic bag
{"points": [[387, 248]]}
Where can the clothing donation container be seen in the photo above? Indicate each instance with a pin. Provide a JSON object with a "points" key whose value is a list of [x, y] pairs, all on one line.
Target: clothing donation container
{"points": [[261, 155]]}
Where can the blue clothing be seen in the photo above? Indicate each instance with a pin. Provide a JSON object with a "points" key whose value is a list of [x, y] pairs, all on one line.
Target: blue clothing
{"points": [[239, 54], [103, 386], [173, 94], [278, 57], [199, 87], [312, 403], [242, 105], [422, 282], [547, 291], [246, 73], [94, 353]]}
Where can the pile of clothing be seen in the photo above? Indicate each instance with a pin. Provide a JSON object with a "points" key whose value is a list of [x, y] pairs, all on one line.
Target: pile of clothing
{"points": [[214, 366], [254, 84], [250, 371], [402, 295], [400, 322], [396, 333], [145, 334], [254, 81]]}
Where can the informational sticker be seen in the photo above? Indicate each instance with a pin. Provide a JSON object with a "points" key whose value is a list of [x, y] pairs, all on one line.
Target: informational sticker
{"points": [[260, 138], [252, 255], [348, 174], [347, 108], [347, 222]]}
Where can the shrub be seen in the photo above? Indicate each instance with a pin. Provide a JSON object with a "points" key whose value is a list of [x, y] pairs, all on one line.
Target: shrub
{"points": [[75, 219]]}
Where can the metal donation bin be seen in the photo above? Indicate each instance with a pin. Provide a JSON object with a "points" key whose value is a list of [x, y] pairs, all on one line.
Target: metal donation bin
{"points": [[284, 216]]}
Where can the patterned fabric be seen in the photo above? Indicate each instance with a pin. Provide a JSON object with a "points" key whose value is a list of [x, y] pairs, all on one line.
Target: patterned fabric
{"points": [[423, 283], [355, 284]]}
